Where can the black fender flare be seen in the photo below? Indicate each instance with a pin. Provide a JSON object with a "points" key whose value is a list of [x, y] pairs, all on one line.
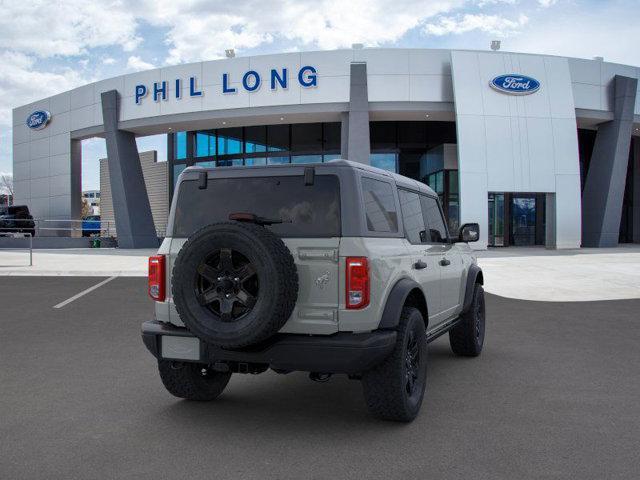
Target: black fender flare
{"points": [[474, 276], [396, 300]]}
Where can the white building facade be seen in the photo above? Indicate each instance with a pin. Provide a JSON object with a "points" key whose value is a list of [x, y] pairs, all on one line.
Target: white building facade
{"points": [[536, 149]]}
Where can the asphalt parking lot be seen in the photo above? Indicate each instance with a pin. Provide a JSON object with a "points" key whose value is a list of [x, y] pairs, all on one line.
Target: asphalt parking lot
{"points": [[555, 394]]}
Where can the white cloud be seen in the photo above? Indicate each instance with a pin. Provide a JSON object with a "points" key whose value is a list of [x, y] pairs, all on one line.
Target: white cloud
{"points": [[324, 24], [587, 37], [135, 63], [21, 83], [547, 3], [71, 27], [491, 24], [108, 61]]}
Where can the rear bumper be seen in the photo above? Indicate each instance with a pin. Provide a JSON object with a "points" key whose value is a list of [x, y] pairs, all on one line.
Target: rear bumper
{"points": [[344, 352]]}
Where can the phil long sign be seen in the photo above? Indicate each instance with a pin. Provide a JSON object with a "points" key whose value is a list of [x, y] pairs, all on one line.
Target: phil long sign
{"points": [[515, 84], [250, 81]]}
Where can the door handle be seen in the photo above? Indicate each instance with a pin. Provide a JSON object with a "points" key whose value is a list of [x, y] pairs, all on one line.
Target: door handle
{"points": [[444, 262], [419, 265]]}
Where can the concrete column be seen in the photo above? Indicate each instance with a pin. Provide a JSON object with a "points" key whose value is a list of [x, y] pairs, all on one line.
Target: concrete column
{"points": [[131, 208], [636, 190], [358, 143], [76, 183], [604, 187], [550, 226], [344, 135]]}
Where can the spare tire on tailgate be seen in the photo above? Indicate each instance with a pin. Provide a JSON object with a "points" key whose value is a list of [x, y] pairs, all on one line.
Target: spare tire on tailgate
{"points": [[234, 284]]}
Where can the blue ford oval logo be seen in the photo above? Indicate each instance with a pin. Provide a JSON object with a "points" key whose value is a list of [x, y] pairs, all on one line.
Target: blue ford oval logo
{"points": [[38, 119], [515, 84]]}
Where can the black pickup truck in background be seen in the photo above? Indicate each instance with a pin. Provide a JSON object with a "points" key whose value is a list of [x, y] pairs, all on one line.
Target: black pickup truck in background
{"points": [[17, 219]]}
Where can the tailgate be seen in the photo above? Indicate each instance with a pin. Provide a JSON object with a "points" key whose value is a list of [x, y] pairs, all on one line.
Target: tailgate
{"points": [[316, 310]]}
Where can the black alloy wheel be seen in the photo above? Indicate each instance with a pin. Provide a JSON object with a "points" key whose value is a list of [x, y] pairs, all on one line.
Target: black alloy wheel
{"points": [[234, 284], [412, 363], [227, 284]]}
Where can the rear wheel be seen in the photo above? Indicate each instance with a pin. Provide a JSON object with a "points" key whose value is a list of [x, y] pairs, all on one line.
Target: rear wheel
{"points": [[193, 381], [394, 389], [467, 337]]}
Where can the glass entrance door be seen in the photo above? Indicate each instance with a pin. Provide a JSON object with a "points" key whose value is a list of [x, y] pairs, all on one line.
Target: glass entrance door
{"points": [[496, 220], [523, 220]]}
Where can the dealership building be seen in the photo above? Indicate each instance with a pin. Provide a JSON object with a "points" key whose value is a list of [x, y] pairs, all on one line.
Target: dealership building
{"points": [[538, 149]]}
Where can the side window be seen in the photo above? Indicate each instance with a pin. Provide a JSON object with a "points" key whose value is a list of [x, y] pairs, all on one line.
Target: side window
{"points": [[412, 216], [379, 206], [437, 232]]}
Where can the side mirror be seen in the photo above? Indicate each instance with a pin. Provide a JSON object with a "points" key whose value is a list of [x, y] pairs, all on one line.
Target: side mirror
{"points": [[469, 232]]}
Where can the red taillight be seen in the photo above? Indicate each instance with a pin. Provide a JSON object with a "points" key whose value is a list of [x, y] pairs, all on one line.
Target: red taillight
{"points": [[357, 273], [156, 278]]}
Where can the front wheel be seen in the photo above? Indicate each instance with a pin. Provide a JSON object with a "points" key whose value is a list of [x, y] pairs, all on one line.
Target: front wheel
{"points": [[192, 381], [394, 389], [467, 337]]}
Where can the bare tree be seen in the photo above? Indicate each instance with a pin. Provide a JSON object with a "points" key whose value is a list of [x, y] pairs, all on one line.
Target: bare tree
{"points": [[6, 186], [86, 208]]}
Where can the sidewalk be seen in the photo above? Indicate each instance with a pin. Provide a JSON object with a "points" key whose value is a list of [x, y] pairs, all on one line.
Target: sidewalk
{"points": [[89, 262], [522, 273], [562, 275]]}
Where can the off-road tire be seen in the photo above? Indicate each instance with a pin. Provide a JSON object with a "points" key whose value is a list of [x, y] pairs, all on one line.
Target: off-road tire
{"points": [[467, 337], [192, 381], [276, 272], [385, 386]]}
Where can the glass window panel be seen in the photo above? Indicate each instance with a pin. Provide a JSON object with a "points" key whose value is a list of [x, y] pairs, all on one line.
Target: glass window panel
{"points": [[332, 133], [433, 220], [255, 161], [380, 207], [235, 162], [432, 161], [454, 214], [255, 139], [307, 210], [412, 216], [435, 181], [385, 161], [229, 141], [332, 156], [306, 158], [277, 160], [306, 137], [177, 170], [278, 138], [209, 164], [180, 145], [453, 181], [205, 144]]}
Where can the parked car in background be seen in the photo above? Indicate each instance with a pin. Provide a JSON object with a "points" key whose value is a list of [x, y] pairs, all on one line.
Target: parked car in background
{"points": [[91, 225], [17, 219]]}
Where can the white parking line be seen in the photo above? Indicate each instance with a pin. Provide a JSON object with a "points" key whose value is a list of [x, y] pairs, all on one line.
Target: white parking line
{"points": [[83, 293]]}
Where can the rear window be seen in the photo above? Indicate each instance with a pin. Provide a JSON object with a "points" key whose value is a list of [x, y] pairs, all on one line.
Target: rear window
{"points": [[307, 210]]}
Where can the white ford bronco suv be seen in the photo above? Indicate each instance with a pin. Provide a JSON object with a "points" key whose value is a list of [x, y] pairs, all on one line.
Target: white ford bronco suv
{"points": [[334, 268]]}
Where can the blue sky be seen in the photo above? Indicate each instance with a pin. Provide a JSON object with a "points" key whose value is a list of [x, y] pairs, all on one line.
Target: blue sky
{"points": [[49, 48]]}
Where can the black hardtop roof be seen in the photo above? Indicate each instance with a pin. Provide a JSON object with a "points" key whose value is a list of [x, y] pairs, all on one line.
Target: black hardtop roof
{"points": [[297, 169]]}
